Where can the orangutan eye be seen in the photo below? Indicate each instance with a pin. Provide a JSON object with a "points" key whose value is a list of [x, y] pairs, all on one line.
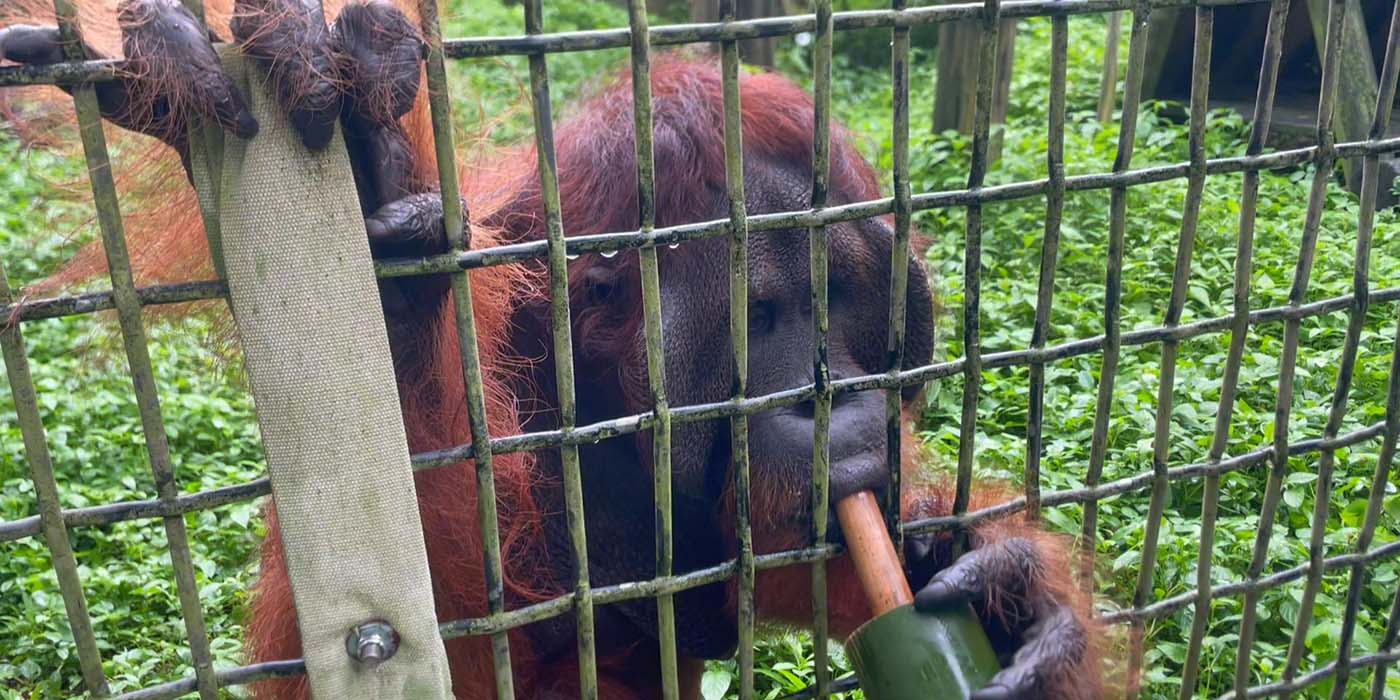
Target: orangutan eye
{"points": [[761, 314]]}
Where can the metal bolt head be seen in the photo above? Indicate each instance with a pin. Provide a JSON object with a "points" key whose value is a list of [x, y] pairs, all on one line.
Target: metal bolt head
{"points": [[372, 642]]}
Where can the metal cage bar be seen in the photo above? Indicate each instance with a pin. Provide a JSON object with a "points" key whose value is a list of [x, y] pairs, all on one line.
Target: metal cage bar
{"points": [[1366, 220], [36, 452], [1317, 198], [652, 328], [128, 307], [1185, 246], [458, 238], [1113, 292], [899, 269], [563, 355], [739, 343], [1045, 290], [1259, 131], [821, 361], [972, 262]]}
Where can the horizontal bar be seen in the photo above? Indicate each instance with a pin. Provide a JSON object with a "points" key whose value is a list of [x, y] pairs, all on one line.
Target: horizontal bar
{"points": [[101, 70], [65, 73], [791, 397], [1177, 602], [675, 235], [241, 675], [633, 590], [112, 513], [1322, 674], [598, 39], [92, 302], [1141, 481], [595, 432]]}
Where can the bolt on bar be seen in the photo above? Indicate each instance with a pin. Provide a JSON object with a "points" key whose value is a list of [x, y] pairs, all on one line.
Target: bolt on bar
{"points": [[563, 354], [454, 222], [138, 357], [821, 369], [655, 346], [1185, 247], [1259, 131]]}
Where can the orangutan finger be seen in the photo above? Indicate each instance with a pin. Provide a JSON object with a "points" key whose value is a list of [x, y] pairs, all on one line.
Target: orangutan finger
{"points": [[384, 165], [43, 45], [30, 44], [412, 225], [174, 71], [380, 51], [1004, 566], [289, 39], [1054, 647]]}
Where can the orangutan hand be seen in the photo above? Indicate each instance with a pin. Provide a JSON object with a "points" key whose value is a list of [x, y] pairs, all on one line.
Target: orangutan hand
{"points": [[364, 70], [1039, 639]]}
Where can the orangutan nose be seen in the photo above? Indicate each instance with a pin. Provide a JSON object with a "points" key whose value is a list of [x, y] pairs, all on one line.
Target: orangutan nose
{"points": [[856, 439]]}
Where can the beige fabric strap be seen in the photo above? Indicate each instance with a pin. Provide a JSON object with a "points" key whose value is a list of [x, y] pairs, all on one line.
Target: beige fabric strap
{"points": [[305, 301]]}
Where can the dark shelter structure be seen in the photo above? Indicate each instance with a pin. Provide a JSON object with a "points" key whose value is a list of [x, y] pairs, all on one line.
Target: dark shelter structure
{"points": [[1239, 42]]}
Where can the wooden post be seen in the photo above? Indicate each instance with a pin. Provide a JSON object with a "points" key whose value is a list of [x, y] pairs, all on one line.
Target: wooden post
{"points": [[1001, 93], [1108, 84], [760, 52], [1357, 83], [955, 93]]}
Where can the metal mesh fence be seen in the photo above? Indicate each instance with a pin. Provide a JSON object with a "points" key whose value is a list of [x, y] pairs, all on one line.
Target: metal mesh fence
{"points": [[53, 522]]}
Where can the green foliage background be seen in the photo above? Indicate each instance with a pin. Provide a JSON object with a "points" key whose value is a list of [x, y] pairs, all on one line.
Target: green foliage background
{"points": [[97, 446]]}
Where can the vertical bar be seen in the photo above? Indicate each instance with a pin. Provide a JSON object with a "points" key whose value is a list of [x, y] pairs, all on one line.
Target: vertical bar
{"points": [[821, 371], [972, 261], [1049, 259], [1117, 223], [1273, 490], [899, 270], [1370, 172], [36, 451], [1161, 446], [656, 358], [457, 240], [137, 354], [1325, 159], [1392, 627], [563, 353], [739, 340]]}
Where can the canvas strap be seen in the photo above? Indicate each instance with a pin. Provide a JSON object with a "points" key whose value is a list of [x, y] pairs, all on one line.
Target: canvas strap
{"points": [[303, 293]]}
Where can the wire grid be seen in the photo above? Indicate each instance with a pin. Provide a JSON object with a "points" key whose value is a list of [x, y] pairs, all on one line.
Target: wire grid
{"points": [[171, 506]]}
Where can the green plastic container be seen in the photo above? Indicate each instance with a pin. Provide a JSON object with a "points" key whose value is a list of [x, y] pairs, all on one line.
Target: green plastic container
{"points": [[908, 655]]}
